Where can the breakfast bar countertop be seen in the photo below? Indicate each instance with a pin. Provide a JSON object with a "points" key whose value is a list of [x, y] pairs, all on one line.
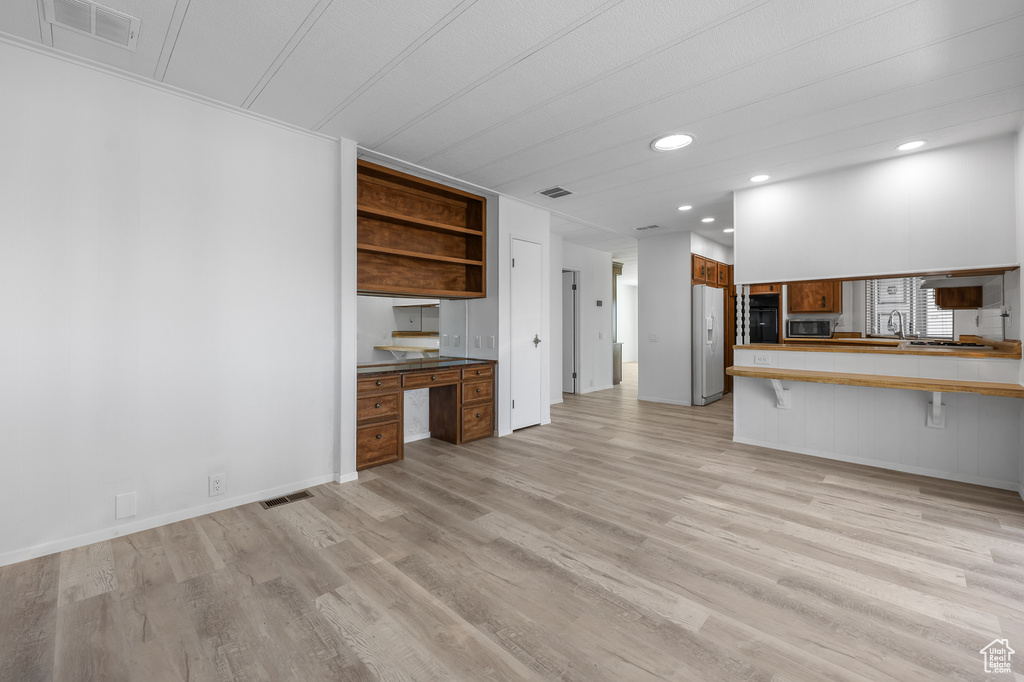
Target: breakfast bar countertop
{"points": [[989, 348]]}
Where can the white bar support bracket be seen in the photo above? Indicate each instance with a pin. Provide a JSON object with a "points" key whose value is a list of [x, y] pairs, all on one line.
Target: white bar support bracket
{"points": [[936, 417], [782, 396]]}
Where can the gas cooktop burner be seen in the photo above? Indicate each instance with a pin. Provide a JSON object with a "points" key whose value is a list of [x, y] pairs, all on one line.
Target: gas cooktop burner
{"points": [[958, 344]]}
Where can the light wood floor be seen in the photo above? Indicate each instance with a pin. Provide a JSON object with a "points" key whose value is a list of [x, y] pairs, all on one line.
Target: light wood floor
{"points": [[626, 541]]}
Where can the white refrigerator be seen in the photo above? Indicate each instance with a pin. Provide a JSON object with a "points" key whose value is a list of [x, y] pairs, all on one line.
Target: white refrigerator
{"points": [[708, 344]]}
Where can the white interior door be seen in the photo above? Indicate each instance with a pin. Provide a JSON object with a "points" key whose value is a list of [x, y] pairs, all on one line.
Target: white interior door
{"points": [[527, 344], [568, 331]]}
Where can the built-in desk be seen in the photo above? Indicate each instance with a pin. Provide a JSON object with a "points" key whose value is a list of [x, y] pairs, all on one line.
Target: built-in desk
{"points": [[461, 404]]}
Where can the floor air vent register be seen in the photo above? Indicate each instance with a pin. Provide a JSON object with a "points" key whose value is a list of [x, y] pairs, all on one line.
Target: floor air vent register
{"points": [[285, 499]]}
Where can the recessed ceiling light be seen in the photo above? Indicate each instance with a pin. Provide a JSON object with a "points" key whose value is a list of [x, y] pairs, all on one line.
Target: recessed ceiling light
{"points": [[707, 220], [759, 178], [685, 207], [672, 142], [729, 230], [907, 146]]}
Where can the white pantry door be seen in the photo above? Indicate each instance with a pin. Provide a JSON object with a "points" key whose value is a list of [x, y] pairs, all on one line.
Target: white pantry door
{"points": [[527, 344]]}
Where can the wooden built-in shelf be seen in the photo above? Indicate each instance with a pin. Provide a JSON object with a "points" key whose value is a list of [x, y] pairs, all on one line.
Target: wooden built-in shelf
{"points": [[398, 218], [417, 237], [416, 254], [414, 335], [1004, 390]]}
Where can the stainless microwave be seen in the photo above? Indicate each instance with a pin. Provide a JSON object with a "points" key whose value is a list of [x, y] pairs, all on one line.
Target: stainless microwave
{"points": [[809, 329]]}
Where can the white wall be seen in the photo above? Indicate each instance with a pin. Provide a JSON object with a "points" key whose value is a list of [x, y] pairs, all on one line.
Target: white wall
{"points": [[517, 220], [595, 343], [556, 319], [663, 304], [167, 285], [702, 246], [627, 294], [946, 209]]}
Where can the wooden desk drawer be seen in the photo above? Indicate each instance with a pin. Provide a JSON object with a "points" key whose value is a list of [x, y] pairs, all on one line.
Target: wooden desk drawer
{"points": [[477, 390], [439, 378], [474, 372], [477, 422], [384, 383], [378, 407], [377, 444]]}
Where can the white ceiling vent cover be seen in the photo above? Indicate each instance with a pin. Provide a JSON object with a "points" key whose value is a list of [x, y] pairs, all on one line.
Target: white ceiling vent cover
{"points": [[555, 192], [647, 227], [102, 23]]}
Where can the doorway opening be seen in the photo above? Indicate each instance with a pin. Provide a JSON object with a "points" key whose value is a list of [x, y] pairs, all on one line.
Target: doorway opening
{"points": [[570, 327]]}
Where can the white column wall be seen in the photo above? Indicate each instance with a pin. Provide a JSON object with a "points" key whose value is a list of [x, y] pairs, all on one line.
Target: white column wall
{"points": [[663, 304]]}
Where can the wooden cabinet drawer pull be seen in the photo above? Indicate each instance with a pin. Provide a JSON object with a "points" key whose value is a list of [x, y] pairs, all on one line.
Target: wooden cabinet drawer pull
{"points": [[433, 378], [479, 389], [378, 382], [477, 415], [377, 406], [478, 371], [379, 436]]}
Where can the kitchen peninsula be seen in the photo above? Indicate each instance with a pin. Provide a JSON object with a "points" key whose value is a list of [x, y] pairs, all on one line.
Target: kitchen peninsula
{"points": [[944, 411]]}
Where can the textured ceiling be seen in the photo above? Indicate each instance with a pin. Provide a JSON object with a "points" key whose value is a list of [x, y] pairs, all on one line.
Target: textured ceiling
{"points": [[522, 95]]}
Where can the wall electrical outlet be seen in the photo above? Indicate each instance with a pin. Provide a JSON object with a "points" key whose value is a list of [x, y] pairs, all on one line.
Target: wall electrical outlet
{"points": [[458, 340], [476, 342], [762, 359], [217, 484], [444, 339], [490, 342], [653, 338]]}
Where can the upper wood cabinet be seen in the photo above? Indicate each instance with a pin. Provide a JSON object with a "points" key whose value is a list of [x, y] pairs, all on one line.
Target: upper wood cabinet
{"points": [[698, 269], [418, 238], [724, 275], [959, 298], [765, 289], [815, 297], [711, 271]]}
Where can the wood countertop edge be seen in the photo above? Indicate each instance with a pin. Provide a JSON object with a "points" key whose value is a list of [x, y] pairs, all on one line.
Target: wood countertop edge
{"points": [[1008, 351], [392, 368], [1005, 390]]}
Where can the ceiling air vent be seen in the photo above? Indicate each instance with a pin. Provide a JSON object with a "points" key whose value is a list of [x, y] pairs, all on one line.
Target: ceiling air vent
{"points": [[555, 192], [102, 23], [647, 227]]}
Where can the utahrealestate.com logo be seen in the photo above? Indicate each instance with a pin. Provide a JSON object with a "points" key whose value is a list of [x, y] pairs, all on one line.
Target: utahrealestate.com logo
{"points": [[997, 656]]}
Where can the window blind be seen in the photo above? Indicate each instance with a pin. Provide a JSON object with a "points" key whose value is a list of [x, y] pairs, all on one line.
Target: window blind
{"points": [[917, 306]]}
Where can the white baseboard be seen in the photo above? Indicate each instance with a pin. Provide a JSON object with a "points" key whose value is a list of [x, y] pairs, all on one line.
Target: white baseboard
{"points": [[881, 464], [346, 478], [111, 532], [666, 401], [595, 389], [418, 436]]}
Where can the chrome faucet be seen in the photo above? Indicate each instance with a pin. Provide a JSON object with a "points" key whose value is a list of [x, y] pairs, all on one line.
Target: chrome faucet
{"points": [[892, 327]]}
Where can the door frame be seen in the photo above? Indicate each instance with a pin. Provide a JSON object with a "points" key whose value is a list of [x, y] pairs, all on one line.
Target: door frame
{"points": [[575, 340]]}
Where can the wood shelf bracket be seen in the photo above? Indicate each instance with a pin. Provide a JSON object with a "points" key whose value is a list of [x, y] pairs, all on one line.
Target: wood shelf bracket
{"points": [[783, 398], [936, 416]]}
